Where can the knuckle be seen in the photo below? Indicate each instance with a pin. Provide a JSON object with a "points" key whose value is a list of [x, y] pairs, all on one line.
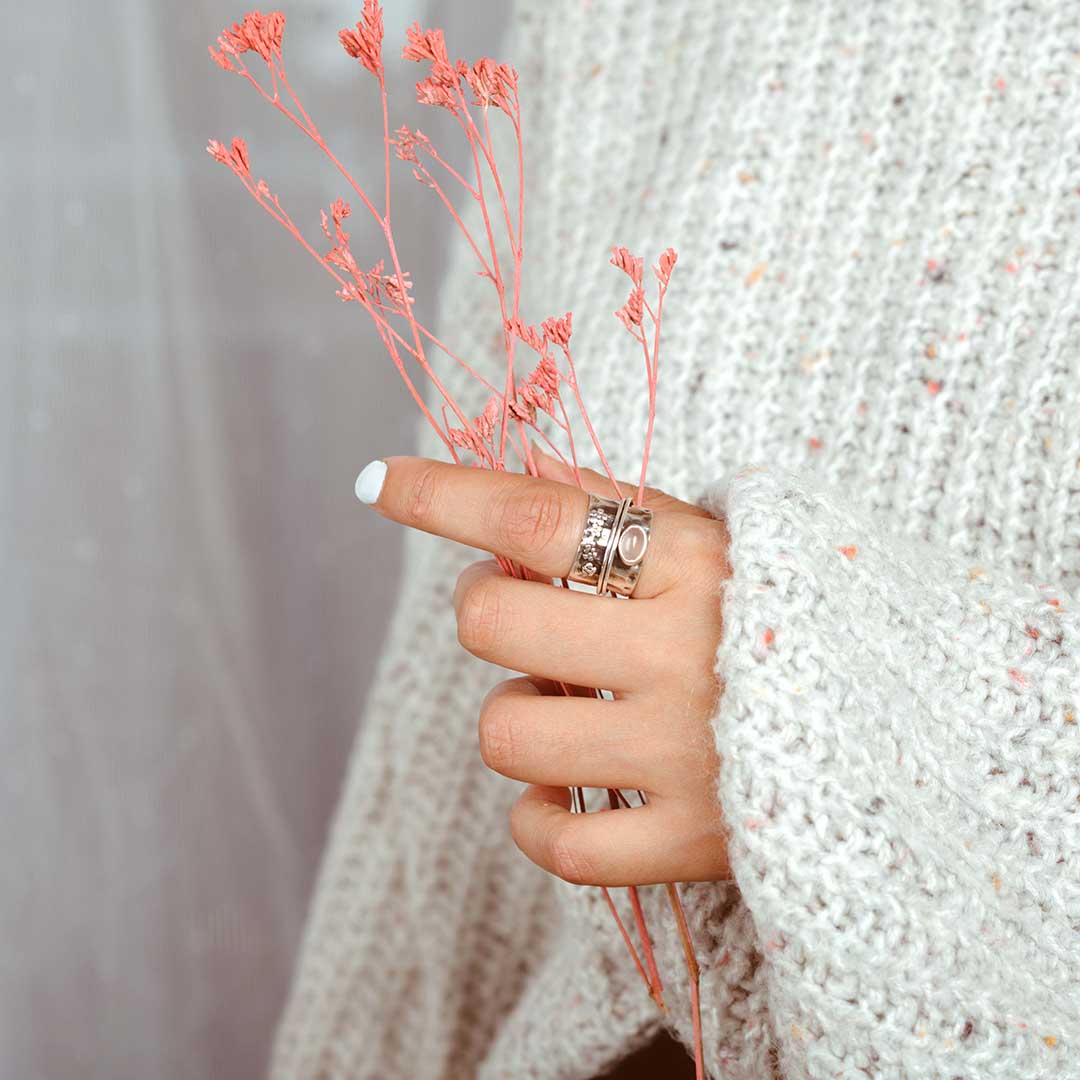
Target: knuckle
{"points": [[479, 616], [498, 735], [420, 498], [530, 521], [567, 859]]}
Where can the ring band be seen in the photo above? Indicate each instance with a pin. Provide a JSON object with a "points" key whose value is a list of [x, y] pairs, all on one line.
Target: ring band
{"points": [[613, 546], [629, 548], [595, 542]]}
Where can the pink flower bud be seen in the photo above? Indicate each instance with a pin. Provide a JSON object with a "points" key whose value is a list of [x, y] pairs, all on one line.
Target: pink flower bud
{"points": [[667, 264], [221, 58], [218, 152], [365, 42], [421, 45], [631, 265], [630, 314], [559, 330], [240, 155]]}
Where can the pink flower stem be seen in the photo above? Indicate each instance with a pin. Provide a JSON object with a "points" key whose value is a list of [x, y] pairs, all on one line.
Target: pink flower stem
{"points": [[309, 129], [626, 938], [386, 141], [439, 345], [656, 987], [477, 143], [551, 446], [453, 448], [695, 977], [572, 380], [277, 212], [568, 428], [653, 379], [436, 187], [429, 149], [471, 133]]}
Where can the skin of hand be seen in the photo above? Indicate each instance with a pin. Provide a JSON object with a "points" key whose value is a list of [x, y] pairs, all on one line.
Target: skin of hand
{"points": [[655, 652]]}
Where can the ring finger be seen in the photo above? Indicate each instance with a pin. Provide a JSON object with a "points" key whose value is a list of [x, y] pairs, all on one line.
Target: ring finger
{"points": [[569, 741]]}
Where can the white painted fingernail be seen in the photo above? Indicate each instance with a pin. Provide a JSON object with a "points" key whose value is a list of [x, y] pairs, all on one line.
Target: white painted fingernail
{"points": [[370, 482]]}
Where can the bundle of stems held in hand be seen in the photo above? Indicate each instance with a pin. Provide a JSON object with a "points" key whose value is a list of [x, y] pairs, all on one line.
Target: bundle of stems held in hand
{"points": [[518, 407]]}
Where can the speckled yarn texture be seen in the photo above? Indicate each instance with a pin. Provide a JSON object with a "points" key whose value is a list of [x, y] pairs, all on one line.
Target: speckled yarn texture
{"points": [[873, 370]]}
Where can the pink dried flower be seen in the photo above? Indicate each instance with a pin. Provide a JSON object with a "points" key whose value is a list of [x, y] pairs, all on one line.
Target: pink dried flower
{"points": [[365, 42], [630, 314], [257, 33], [221, 58], [491, 83], [388, 285], [541, 388], [339, 211], [489, 437], [535, 397], [435, 90], [421, 45], [559, 330], [240, 155], [467, 440], [236, 158], [485, 422], [667, 264], [218, 152], [440, 88], [341, 257], [546, 375], [405, 145], [631, 265], [525, 411], [528, 334]]}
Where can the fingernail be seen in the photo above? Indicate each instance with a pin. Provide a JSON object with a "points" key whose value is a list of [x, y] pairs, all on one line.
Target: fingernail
{"points": [[539, 451], [370, 482]]}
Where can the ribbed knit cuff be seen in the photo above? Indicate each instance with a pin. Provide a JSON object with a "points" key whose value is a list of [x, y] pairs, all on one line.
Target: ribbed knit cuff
{"points": [[900, 763]]}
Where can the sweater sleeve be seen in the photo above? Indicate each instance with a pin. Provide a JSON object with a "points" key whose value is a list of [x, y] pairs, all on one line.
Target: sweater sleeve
{"points": [[900, 777]]}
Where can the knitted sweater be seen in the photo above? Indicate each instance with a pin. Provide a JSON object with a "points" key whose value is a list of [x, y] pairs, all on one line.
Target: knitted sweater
{"points": [[871, 368]]}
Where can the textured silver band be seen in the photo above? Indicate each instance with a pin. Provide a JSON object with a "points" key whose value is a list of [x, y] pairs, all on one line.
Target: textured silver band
{"points": [[613, 545], [596, 541]]}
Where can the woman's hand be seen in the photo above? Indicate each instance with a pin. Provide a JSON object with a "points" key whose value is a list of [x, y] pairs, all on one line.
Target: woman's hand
{"points": [[655, 652]]}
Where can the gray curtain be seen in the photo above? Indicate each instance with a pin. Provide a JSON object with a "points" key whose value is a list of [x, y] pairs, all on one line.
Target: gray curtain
{"points": [[192, 598]]}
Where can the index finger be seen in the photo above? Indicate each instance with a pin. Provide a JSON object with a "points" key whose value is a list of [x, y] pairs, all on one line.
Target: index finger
{"points": [[537, 523]]}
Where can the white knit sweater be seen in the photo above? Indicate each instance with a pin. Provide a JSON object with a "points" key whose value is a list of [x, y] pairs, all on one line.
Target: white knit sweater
{"points": [[873, 335]]}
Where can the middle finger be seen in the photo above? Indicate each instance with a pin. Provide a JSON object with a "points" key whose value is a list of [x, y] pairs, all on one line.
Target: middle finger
{"points": [[560, 634]]}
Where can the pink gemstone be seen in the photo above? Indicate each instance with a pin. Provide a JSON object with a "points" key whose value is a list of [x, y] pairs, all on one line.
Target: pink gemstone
{"points": [[632, 545]]}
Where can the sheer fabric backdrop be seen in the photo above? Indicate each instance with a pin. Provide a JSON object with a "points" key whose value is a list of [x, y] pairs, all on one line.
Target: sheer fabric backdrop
{"points": [[192, 599]]}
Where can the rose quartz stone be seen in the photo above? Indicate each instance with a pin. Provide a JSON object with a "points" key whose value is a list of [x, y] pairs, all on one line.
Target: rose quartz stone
{"points": [[632, 545]]}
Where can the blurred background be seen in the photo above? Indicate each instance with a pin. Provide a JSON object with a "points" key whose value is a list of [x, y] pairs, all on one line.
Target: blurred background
{"points": [[192, 599]]}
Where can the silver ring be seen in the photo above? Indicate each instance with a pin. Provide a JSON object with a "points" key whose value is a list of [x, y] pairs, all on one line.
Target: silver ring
{"points": [[628, 550], [613, 546], [596, 541]]}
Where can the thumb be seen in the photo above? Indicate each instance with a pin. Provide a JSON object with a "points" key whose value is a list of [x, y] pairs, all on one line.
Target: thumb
{"points": [[596, 483]]}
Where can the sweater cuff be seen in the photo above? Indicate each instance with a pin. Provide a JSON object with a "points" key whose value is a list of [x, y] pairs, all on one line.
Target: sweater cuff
{"points": [[899, 761]]}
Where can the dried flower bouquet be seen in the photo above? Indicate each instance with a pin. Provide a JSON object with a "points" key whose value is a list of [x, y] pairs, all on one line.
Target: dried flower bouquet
{"points": [[519, 407]]}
